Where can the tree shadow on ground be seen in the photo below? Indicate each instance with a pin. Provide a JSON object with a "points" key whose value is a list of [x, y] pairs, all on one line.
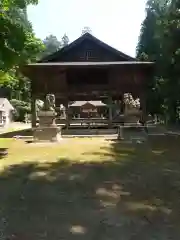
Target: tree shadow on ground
{"points": [[3, 152], [133, 195]]}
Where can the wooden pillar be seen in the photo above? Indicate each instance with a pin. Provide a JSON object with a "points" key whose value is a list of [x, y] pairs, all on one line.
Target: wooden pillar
{"points": [[143, 110], [110, 111], [67, 112], [121, 124], [33, 111]]}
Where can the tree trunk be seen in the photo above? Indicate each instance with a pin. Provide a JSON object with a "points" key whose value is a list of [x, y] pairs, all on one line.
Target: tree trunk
{"points": [[173, 112]]}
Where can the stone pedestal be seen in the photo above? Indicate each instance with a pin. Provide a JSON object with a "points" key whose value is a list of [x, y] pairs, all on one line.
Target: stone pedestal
{"points": [[120, 133], [47, 129], [132, 116], [52, 134]]}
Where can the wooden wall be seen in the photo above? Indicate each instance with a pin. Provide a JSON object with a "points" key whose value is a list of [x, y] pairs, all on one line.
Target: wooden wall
{"points": [[69, 83]]}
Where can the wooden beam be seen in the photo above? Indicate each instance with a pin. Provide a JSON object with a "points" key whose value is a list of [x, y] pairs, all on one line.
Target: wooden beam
{"points": [[110, 110], [67, 112], [143, 108], [33, 111]]}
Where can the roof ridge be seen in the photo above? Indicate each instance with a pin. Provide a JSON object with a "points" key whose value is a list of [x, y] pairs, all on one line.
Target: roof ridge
{"points": [[81, 39]]}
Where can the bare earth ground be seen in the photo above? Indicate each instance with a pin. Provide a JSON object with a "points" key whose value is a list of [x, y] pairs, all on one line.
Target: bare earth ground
{"points": [[90, 189]]}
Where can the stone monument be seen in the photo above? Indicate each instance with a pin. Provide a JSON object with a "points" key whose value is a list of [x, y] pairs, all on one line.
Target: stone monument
{"points": [[47, 129], [131, 116], [132, 112], [62, 111]]}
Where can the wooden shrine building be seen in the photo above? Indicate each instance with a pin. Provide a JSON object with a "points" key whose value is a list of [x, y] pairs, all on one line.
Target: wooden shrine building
{"points": [[88, 69], [88, 109]]}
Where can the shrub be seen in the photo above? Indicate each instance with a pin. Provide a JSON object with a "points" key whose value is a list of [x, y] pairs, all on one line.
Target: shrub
{"points": [[21, 109]]}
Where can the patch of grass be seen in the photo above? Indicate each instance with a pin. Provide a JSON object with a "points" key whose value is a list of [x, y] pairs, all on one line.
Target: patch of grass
{"points": [[75, 150], [6, 142], [90, 189]]}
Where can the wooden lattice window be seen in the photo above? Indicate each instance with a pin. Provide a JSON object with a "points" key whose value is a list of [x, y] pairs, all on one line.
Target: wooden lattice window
{"points": [[88, 55]]}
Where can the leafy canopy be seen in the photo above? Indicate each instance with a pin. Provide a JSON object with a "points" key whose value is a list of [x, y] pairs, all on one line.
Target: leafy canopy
{"points": [[159, 42], [18, 43]]}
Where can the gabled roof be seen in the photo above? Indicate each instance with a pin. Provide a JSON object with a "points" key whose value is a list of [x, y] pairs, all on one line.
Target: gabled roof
{"points": [[82, 103], [5, 104], [87, 36]]}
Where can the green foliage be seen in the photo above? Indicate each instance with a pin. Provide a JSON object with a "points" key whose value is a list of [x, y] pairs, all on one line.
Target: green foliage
{"points": [[8, 4], [7, 77], [18, 45], [65, 40], [21, 109], [17, 40], [9, 82], [159, 42], [51, 44], [15, 85]]}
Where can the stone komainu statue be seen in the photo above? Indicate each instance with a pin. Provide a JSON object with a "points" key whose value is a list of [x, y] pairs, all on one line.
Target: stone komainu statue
{"points": [[49, 104]]}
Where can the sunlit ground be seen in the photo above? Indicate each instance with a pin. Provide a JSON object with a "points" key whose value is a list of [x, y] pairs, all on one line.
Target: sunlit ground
{"points": [[90, 189]]}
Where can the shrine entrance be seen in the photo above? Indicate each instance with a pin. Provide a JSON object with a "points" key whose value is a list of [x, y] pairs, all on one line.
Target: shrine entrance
{"points": [[90, 70]]}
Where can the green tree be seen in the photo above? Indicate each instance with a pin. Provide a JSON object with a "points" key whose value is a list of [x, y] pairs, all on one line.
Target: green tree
{"points": [[148, 50], [18, 43], [65, 40], [159, 42], [21, 109], [51, 44]]}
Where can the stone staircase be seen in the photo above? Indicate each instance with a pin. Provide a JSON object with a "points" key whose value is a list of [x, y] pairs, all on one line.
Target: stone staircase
{"points": [[88, 132]]}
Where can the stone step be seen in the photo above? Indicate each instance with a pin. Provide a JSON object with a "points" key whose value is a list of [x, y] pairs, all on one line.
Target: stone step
{"points": [[129, 133], [156, 129], [78, 132]]}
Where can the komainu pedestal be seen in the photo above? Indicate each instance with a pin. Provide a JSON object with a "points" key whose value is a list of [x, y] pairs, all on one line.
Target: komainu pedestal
{"points": [[52, 134], [47, 129]]}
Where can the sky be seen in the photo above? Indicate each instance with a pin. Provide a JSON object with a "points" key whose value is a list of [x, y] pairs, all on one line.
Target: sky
{"points": [[115, 22]]}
